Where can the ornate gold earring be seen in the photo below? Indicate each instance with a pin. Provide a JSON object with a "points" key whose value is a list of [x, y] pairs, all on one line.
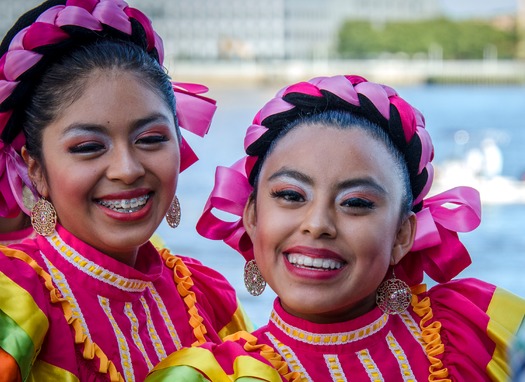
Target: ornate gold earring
{"points": [[253, 279], [393, 295], [43, 217], [173, 214]]}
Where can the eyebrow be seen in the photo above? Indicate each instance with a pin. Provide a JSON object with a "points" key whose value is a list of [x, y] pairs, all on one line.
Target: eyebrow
{"points": [[98, 128], [350, 183]]}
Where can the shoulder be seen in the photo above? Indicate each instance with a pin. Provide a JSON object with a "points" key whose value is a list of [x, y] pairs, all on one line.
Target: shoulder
{"points": [[476, 322], [24, 307], [213, 293]]}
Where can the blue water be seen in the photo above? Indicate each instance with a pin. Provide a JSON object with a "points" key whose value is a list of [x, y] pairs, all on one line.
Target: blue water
{"points": [[497, 247]]}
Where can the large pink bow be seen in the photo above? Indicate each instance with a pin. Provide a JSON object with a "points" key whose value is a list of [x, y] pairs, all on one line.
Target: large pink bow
{"points": [[230, 194], [437, 250], [194, 113]]}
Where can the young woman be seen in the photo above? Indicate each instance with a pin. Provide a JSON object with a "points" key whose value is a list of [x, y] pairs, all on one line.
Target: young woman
{"points": [[335, 218], [82, 86]]}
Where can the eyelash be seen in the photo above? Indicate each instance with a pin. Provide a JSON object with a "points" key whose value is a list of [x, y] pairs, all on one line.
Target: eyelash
{"points": [[287, 195], [153, 139], [358, 203], [85, 148]]}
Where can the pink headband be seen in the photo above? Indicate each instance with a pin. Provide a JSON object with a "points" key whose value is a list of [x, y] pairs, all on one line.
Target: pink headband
{"points": [[194, 111], [437, 250]]}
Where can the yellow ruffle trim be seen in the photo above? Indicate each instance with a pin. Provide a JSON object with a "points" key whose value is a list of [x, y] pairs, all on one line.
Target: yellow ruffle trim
{"points": [[182, 277], [91, 349], [266, 352], [430, 334]]}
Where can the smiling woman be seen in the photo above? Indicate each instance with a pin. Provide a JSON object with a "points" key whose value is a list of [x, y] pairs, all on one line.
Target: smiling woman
{"points": [[334, 216], [85, 102]]}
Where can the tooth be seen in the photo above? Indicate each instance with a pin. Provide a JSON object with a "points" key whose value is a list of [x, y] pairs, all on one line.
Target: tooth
{"points": [[307, 261], [134, 202], [326, 264], [318, 263]]}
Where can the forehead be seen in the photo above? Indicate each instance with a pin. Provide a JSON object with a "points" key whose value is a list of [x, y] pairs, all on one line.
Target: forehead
{"points": [[110, 95], [333, 153]]}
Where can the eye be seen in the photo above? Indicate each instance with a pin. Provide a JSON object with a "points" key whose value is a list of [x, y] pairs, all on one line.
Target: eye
{"points": [[288, 195], [152, 139], [87, 148], [359, 203]]}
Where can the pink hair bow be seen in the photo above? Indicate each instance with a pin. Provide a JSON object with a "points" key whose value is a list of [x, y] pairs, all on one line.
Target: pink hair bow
{"points": [[437, 249], [230, 194], [194, 113], [13, 176]]}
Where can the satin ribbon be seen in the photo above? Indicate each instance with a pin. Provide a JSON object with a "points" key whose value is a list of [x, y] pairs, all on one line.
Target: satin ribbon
{"points": [[229, 195], [437, 250], [194, 113], [13, 176]]}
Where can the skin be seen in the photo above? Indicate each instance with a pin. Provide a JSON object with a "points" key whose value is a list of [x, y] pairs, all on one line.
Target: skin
{"points": [[343, 210], [116, 142]]}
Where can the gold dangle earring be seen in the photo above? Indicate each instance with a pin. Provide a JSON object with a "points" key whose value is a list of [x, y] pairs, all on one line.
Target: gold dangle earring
{"points": [[393, 295], [43, 217], [253, 280], [173, 214]]}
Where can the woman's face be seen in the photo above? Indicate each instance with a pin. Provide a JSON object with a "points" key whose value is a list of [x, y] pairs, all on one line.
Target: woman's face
{"points": [[110, 164], [326, 222]]}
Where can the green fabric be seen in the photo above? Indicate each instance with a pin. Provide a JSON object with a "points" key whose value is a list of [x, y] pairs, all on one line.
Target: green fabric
{"points": [[15, 341]]}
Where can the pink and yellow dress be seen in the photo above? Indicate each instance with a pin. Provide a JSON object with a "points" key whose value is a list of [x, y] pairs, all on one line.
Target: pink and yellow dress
{"points": [[70, 313], [456, 331], [9, 238]]}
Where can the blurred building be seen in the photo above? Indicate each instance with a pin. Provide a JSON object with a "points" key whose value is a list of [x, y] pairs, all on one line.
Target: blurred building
{"points": [[270, 29], [254, 29]]}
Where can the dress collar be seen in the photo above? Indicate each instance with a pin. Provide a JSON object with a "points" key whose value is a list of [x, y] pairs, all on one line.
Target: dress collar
{"points": [[340, 333], [98, 265]]}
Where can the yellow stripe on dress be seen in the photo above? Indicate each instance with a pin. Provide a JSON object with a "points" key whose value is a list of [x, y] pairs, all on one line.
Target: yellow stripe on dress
{"points": [[27, 324], [506, 312], [239, 321], [45, 372], [198, 358]]}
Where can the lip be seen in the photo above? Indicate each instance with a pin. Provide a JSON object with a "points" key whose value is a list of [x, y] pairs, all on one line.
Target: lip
{"points": [[129, 194], [314, 252], [310, 273]]}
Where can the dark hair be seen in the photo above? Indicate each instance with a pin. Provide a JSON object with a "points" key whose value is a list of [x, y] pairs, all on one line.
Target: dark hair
{"points": [[65, 81], [344, 120]]}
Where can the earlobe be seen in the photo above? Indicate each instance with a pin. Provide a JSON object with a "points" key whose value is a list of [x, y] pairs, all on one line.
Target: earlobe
{"points": [[35, 172], [249, 217], [405, 238]]}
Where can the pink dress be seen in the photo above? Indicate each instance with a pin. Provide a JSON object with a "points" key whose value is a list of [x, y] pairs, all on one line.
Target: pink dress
{"points": [[68, 312], [9, 238], [457, 331]]}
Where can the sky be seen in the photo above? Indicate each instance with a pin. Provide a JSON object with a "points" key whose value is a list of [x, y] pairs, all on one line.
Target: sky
{"points": [[478, 8]]}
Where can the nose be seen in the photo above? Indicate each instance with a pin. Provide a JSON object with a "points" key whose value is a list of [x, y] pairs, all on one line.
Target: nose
{"points": [[319, 221], [125, 165]]}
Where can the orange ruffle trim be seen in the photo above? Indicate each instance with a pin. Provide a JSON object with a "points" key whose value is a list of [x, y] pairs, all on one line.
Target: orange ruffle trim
{"points": [[268, 353], [91, 350], [182, 277], [430, 334]]}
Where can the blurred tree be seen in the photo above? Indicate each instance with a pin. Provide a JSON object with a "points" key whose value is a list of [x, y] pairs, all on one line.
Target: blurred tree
{"points": [[458, 39]]}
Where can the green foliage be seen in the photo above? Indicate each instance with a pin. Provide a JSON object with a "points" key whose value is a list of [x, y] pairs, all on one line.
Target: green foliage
{"points": [[451, 39]]}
